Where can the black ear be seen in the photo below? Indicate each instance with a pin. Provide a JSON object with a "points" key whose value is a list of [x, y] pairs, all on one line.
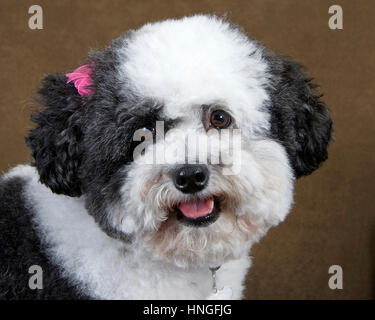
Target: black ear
{"points": [[299, 118], [55, 141]]}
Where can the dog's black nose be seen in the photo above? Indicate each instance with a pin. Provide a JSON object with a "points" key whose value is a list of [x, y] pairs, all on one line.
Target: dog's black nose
{"points": [[191, 178]]}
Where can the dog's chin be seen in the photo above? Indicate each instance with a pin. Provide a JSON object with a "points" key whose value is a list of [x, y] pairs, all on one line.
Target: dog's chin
{"points": [[204, 233]]}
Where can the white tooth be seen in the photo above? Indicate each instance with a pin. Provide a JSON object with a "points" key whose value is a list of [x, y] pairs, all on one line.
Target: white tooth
{"points": [[212, 206]]}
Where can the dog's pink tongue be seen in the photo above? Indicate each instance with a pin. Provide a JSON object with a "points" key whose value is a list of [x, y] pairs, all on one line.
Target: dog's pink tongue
{"points": [[197, 208]]}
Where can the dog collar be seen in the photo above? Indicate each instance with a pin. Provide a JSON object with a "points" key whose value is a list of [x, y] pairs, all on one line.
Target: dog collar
{"points": [[213, 274], [224, 293]]}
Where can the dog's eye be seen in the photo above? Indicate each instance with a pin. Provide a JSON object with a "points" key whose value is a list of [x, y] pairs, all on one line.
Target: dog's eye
{"points": [[149, 129], [220, 119]]}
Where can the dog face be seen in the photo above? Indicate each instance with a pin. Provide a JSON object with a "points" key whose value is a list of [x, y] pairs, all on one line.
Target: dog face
{"points": [[175, 92]]}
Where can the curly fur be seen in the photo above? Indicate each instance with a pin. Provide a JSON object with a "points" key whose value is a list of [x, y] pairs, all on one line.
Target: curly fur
{"points": [[22, 247], [55, 139], [102, 222], [299, 118]]}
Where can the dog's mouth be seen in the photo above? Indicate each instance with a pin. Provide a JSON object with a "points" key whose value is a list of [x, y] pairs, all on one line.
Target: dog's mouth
{"points": [[198, 212]]}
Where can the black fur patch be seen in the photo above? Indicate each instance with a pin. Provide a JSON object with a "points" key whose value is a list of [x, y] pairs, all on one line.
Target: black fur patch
{"points": [[299, 118], [108, 152], [20, 248], [55, 141], [82, 145]]}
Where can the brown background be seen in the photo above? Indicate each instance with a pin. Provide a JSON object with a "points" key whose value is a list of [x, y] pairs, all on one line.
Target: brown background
{"points": [[333, 219]]}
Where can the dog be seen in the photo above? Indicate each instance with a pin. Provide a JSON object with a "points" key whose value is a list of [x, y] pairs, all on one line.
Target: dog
{"points": [[102, 221]]}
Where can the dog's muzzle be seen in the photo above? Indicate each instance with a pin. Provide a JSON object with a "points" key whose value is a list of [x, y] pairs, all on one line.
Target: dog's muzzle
{"points": [[191, 179]]}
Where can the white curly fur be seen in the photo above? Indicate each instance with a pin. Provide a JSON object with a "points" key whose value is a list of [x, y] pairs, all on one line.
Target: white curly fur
{"points": [[184, 64]]}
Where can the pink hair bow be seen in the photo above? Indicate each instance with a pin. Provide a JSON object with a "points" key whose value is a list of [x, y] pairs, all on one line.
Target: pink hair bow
{"points": [[81, 78]]}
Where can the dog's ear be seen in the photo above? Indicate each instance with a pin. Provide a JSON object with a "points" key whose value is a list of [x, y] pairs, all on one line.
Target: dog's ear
{"points": [[55, 140], [299, 117]]}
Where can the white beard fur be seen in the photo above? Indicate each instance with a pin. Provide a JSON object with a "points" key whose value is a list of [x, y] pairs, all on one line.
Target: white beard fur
{"points": [[106, 268]]}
